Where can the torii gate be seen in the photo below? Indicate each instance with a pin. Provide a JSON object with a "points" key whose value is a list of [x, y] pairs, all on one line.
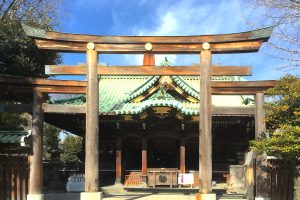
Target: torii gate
{"points": [[205, 45]]}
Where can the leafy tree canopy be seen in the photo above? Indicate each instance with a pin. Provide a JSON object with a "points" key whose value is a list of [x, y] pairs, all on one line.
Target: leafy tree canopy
{"points": [[282, 137], [19, 55], [71, 148], [51, 140]]}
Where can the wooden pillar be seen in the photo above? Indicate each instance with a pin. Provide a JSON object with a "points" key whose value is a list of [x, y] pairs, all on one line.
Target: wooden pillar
{"points": [[149, 59], [260, 123], [262, 182], [118, 159], [182, 155], [144, 156], [205, 138], [92, 123], [36, 161]]}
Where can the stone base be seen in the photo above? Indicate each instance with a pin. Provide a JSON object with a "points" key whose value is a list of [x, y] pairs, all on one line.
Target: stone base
{"points": [[262, 198], [35, 197], [206, 196], [118, 181], [90, 195]]}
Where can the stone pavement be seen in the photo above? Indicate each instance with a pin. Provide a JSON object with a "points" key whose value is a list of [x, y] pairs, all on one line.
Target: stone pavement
{"points": [[141, 196], [134, 196]]}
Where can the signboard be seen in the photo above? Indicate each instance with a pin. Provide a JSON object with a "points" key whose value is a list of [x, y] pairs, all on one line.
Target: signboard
{"points": [[186, 179]]}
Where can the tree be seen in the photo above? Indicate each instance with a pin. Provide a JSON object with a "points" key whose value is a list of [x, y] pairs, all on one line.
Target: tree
{"points": [[18, 53], [12, 121], [51, 140], [282, 137], [285, 16], [71, 148]]}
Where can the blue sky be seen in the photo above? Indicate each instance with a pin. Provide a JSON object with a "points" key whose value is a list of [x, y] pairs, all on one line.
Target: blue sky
{"points": [[167, 17]]}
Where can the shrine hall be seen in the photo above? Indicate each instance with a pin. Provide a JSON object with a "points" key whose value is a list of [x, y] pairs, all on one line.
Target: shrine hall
{"points": [[151, 123]]}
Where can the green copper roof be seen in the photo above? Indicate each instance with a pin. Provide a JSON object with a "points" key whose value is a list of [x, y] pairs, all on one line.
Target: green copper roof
{"points": [[12, 137], [117, 92], [143, 88], [188, 88], [77, 100]]}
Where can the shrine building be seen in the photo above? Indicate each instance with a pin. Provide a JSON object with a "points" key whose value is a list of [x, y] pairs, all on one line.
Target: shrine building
{"points": [[159, 115]]}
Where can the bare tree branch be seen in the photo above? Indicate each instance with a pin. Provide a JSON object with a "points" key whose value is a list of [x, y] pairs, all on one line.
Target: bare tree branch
{"points": [[1, 5], [285, 14], [9, 8]]}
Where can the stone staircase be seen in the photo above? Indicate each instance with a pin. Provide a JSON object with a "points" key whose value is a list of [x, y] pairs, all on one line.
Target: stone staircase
{"points": [[232, 196]]}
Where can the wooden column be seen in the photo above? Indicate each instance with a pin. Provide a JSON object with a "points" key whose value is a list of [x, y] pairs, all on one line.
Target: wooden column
{"points": [[144, 156], [92, 123], [205, 138], [149, 59], [260, 123], [118, 159], [36, 161], [182, 155], [262, 182]]}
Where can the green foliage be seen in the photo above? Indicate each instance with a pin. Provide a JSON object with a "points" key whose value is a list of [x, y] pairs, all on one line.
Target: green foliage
{"points": [[71, 148], [282, 137], [283, 143], [285, 103], [12, 121], [51, 140], [19, 55]]}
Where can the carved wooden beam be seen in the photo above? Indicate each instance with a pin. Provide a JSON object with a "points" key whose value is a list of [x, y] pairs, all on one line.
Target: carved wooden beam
{"points": [[150, 70], [29, 84], [217, 48], [241, 87]]}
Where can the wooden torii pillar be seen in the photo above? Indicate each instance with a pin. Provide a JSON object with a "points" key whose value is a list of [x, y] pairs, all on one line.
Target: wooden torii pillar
{"points": [[205, 123], [262, 182], [36, 159], [92, 128]]}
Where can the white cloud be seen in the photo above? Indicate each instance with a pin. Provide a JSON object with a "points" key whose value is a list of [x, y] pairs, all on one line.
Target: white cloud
{"points": [[192, 17]]}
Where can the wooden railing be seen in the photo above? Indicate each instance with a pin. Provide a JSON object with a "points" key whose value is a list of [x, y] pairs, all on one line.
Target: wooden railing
{"points": [[13, 177]]}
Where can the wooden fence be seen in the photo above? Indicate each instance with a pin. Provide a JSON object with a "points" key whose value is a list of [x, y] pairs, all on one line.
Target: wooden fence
{"points": [[281, 173], [13, 177]]}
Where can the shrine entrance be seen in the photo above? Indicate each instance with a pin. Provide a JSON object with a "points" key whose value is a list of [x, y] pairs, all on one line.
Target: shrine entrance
{"points": [[132, 149], [163, 153]]}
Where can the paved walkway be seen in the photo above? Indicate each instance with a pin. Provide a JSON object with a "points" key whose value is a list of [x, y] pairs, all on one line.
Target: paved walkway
{"points": [[76, 196]]}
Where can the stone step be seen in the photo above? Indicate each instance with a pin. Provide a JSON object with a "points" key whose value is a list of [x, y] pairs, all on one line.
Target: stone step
{"points": [[232, 196]]}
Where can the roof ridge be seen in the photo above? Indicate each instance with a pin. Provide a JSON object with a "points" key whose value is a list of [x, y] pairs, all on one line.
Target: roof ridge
{"points": [[142, 88], [186, 87], [158, 103]]}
